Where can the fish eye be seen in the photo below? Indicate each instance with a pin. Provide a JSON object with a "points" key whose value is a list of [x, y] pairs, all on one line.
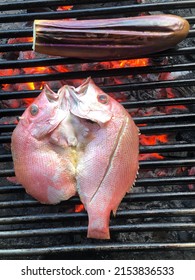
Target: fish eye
{"points": [[102, 98], [34, 109]]}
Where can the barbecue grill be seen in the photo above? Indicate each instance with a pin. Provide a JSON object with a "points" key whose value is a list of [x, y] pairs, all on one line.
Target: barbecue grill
{"points": [[157, 219]]}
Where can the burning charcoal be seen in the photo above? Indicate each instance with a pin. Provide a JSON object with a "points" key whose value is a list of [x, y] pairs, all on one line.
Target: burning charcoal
{"points": [[187, 136], [191, 172], [157, 60], [10, 55]]}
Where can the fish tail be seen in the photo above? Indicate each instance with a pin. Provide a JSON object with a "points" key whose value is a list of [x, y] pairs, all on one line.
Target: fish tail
{"points": [[98, 225]]}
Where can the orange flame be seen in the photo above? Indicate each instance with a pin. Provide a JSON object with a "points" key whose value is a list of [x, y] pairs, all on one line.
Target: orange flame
{"points": [[31, 85]]}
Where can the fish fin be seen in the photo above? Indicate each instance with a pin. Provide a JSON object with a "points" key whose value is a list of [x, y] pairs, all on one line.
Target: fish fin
{"points": [[13, 180], [134, 182], [114, 212], [98, 226]]}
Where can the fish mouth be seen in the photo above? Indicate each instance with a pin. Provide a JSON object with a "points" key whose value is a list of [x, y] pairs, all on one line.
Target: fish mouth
{"points": [[84, 104], [50, 94], [52, 112], [60, 98], [82, 89]]}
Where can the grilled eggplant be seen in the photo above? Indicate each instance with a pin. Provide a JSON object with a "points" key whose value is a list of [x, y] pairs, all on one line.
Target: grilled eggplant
{"points": [[116, 38]]}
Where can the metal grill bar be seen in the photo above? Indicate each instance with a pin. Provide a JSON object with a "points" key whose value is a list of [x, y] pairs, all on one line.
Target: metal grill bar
{"points": [[28, 47], [133, 197], [44, 3], [136, 197], [85, 74], [127, 105], [159, 129], [166, 163], [159, 102], [167, 148], [16, 33], [83, 229], [11, 112], [15, 47], [12, 189], [106, 247], [130, 214], [152, 85], [165, 118], [102, 73], [165, 181], [40, 61]]}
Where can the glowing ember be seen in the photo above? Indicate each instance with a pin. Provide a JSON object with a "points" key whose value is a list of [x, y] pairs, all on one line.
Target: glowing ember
{"points": [[40, 70], [20, 40], [133, 62], [64, 8], [156, 155], [153, 139], [31, 85], [79, 208], [170, 94]]}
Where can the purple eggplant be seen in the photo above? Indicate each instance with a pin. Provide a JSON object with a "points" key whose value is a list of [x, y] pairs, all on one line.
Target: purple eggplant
{"points": [[116, 38]]}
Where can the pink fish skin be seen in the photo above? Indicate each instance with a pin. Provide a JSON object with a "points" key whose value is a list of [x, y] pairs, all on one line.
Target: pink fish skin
{"points": [[43, 156], [107, 169]]}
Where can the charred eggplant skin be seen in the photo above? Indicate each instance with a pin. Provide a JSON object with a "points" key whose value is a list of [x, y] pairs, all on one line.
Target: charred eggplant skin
{"points": [[116, 38]]}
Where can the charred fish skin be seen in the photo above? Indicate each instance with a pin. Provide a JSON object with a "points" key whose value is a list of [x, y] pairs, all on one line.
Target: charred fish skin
{"points": [[108, 167], [117, 38]]}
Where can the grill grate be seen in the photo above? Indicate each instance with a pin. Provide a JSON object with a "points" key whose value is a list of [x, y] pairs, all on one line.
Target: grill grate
{"points": [[159, 214]]}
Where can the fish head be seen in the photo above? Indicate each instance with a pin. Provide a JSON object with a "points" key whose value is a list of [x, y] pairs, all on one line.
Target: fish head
{"points": [[44, 114], [89, 102]]}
